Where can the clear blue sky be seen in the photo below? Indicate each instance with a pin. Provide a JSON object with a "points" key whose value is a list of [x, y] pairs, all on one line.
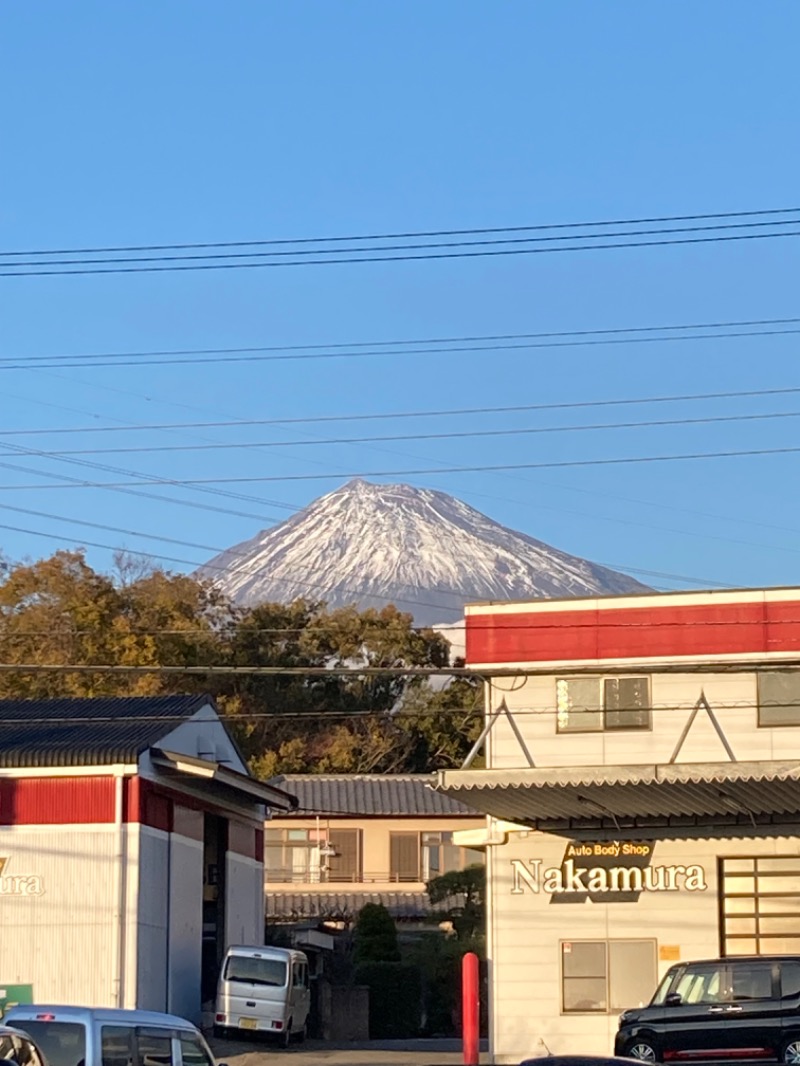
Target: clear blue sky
{"points": [[144, 122]]}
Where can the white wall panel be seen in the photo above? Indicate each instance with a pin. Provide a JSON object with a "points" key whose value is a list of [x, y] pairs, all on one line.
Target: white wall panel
{"points": [[186, 927], [244, 915], [526, 930], [60, 941], [151, 978]]}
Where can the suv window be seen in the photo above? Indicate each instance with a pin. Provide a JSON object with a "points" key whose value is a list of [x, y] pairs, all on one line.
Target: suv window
{"points": [[790, 979], [701, 985], [750, 981]]}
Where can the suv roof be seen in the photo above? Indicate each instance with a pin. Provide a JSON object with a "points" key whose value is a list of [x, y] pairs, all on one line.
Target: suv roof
{"points": [[738, 958], [31, 1011]]}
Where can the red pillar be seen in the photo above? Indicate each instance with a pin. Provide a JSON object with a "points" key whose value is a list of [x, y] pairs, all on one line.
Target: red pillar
{"points": [[470, 1009]]}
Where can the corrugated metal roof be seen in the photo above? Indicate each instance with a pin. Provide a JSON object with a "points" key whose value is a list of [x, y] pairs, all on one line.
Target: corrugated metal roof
{"points": [[88, 732], [371, 795], [344, 906], [534, 797]]}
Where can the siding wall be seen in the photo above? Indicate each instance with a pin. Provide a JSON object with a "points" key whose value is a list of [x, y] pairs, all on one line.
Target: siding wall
{"points": [[527, 930], [62, 939]]}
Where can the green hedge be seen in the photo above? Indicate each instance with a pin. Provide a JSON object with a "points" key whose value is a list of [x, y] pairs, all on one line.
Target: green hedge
{"points": [[395, 999]]}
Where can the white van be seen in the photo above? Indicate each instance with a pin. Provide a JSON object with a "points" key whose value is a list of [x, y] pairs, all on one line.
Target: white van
{"points": [[82, 1036], [264, 989]]}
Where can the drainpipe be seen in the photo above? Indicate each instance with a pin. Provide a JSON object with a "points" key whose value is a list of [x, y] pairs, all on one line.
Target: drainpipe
{"points": [[118, 921]]}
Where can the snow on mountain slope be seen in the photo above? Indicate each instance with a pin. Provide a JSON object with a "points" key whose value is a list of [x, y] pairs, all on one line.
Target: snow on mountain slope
{"points": [[425, 551]]}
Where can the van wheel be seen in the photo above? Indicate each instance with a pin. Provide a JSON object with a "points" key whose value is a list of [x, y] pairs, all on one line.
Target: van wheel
{"points": [[645, 1051], [301, 1036], [790, 1052], [219, 1032]]}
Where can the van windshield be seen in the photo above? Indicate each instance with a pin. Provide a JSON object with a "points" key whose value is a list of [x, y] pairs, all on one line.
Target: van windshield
{"points": [[62, 1043], [256, 971]]}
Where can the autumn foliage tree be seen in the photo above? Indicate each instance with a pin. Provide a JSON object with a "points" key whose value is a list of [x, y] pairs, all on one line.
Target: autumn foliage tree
{"points": [[60, 611]]}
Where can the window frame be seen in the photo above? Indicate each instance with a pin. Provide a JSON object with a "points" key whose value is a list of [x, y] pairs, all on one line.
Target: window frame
{"points": [[602, 710], [765, 941], [761, 724], [610, 1009]]}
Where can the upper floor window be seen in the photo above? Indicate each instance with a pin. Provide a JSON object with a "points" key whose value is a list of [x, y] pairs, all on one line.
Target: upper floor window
{"points": [[423, 856], [779, 697], [596, 704], [304, 856]]}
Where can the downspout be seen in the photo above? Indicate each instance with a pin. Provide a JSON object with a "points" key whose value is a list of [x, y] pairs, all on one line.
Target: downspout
{"points": [[118, 922]]}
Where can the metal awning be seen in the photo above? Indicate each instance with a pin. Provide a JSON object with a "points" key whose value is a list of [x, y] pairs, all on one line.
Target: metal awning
{"points": [[228, 782], [640, 793]]}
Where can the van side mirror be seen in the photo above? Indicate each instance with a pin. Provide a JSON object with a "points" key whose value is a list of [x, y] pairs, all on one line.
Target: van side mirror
{"points": [[673, 1000]]}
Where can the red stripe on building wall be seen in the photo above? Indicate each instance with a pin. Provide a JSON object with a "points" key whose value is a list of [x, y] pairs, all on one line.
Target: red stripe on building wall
{"points": [[658, 631], [56, 800]]}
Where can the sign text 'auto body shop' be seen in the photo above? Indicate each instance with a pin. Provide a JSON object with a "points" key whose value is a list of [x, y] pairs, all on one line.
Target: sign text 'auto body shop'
{"points": [[609, 871]]}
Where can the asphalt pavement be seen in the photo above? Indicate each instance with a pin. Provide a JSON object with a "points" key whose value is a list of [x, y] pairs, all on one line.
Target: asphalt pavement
{"points": [[319, 1053]]}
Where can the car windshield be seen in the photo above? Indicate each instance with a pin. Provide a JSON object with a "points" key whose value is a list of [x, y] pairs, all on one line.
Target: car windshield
{"points": [[661, 992], [256, 971], [62, 1043]]}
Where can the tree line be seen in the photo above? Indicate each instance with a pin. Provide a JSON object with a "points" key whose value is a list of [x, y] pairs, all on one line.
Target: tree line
{"points": [[60, 611]]}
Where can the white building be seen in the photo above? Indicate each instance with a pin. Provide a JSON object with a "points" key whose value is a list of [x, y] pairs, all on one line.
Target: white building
{"points": [[643, 794], [131, 850]]}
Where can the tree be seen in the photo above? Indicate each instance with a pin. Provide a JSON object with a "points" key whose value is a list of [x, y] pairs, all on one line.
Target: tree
{"points": [[465, 893], [375, 935], [59, 611]]}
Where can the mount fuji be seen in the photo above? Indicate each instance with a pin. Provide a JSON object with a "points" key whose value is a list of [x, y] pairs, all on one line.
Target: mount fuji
{"points": [[425, 551]]}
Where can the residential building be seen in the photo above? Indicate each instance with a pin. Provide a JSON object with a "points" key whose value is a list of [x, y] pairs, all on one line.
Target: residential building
{"points": [[355, 839], [642, 789]]}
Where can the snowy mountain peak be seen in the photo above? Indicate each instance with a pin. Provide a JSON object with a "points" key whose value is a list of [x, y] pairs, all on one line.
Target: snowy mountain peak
{"points": [[427, 552]]}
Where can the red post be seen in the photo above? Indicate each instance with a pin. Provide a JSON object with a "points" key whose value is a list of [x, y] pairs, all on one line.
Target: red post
{"points": [[470, 1009]]}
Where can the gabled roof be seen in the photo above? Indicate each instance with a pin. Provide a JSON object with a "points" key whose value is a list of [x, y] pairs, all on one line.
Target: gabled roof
{"points": [[371, 795], [89, 732]]}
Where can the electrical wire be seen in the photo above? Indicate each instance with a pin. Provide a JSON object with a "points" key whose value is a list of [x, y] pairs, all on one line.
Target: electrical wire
{"points": [[412, 233], [388, 416], [438, 341], [77, 269], [493, 242], [490, 468], [453, 435], [39, 363]]}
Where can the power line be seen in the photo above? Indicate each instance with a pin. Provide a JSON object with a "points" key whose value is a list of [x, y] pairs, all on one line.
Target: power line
{"points": [[480, 338], [723, 666], [485, 252], [40, 363], [490, 242], [324, 716], [409, 234], [453, 435], [389, 416], [491, 468]]}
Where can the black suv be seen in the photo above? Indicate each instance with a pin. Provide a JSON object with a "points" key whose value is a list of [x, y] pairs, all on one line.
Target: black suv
{"points": [[740, 1008]]}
